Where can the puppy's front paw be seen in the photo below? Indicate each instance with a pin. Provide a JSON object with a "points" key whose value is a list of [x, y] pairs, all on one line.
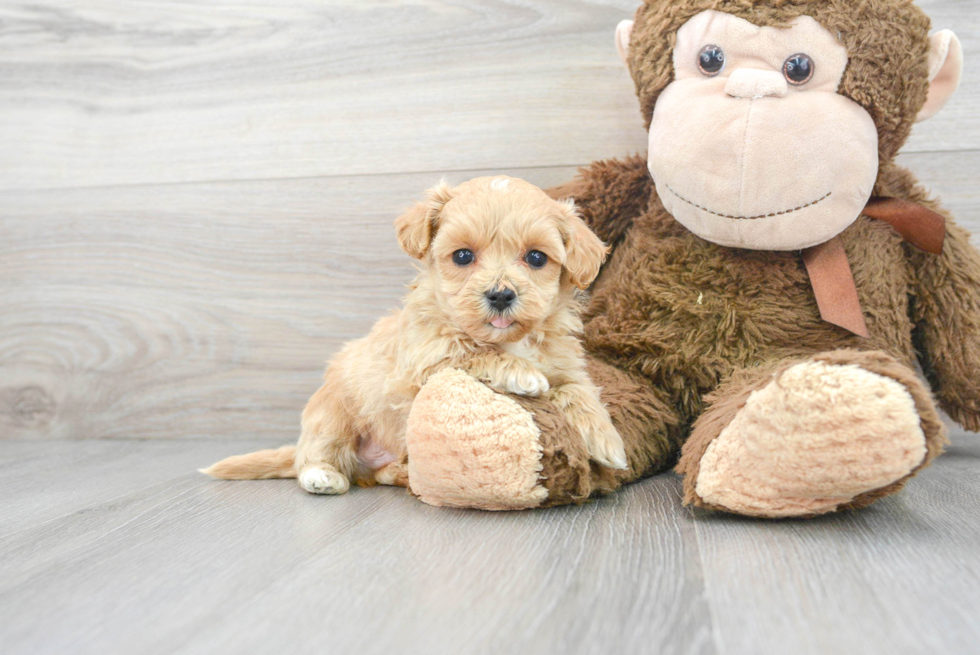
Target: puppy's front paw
{"points": [[318, 480], [585, 411], [523, 382], [606, 446]]}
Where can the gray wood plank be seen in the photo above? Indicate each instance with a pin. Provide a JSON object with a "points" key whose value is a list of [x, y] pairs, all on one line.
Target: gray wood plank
{"points": [[899, 577], [151, 92], [41, 481], [184, 564], [147, 91], [617, 573], [196, 566]]}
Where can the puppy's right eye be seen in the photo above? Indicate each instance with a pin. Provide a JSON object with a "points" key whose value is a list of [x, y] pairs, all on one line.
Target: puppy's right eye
{"points": [[536, 259], [463, 257]]}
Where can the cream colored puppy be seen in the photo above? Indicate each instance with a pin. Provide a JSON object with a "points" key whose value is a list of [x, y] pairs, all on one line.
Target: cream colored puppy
{"points": [[498, 295]]}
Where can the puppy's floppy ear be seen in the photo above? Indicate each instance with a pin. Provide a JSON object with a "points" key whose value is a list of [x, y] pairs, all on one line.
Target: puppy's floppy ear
{"points": [[417, 226], [584, 251]]}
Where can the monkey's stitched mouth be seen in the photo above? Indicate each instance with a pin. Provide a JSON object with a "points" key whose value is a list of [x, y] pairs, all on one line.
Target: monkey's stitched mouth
{"points": [[750, 218]]}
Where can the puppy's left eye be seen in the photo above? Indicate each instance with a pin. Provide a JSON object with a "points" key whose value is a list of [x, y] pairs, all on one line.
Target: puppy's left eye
{"points": [[536, 259], [463, 257]]}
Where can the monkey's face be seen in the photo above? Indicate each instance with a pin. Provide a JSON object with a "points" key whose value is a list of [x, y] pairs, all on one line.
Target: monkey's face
{"points": [[751, 146]]}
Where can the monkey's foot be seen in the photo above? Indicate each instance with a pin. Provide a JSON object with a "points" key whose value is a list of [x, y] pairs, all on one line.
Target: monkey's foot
{"points": [[816, 437], [471, 447]]}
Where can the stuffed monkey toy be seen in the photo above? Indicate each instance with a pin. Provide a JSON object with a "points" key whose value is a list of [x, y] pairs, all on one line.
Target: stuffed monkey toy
{"points": [[775, 277]]}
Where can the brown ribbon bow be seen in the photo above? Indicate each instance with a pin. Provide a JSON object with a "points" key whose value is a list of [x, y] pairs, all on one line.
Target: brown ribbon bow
{"points": [[830, 272]]}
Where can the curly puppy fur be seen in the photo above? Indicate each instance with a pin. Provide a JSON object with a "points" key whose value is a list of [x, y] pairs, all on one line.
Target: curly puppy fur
{"points": [[353, 428]]}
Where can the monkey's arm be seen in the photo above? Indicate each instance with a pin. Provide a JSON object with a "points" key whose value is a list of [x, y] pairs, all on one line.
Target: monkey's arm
{"points": [[946, 311], [610, 194]]}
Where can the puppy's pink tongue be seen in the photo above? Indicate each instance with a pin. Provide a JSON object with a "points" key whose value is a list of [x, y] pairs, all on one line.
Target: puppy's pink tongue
{"points": [[501, 322]]}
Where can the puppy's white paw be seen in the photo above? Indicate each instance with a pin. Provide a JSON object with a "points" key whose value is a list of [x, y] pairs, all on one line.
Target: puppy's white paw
{"points": [[528, 382], [606, 447], [321, 481]]}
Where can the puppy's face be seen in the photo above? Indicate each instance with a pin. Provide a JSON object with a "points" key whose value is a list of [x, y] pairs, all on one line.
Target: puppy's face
{"points": [[502, 255]]}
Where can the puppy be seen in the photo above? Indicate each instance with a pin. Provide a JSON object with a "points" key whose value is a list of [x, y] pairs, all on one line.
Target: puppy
{"points": [[498, 295]]}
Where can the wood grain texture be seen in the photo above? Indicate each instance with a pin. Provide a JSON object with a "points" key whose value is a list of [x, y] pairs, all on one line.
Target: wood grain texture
{"points": [[183, 564], [101, 93], [47, 481], [132, 552]]}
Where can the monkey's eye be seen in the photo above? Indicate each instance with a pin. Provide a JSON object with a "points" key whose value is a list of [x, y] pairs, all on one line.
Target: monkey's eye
{"points": [[536, 259], [798, 69], [463, 257], [711, 60]]}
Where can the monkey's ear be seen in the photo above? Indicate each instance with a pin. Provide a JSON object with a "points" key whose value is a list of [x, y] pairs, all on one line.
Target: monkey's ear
{"points": [[945, 70], [623, 31], [584, 251], [417, 226]]}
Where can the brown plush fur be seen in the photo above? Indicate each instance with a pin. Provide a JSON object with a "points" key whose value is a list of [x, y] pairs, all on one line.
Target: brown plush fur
{"points": [[756, 310], [697, 325]]}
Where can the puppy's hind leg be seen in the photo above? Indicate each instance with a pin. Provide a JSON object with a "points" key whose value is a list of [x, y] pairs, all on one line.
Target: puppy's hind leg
{"points": [[326, 455], [323, 479]]}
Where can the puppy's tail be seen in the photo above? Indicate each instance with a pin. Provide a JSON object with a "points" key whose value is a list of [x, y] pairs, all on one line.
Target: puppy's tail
{"points": [[260, 465]]}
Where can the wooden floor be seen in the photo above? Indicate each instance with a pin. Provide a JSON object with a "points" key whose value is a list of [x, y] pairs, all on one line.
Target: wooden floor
{"points": [[196, 199], [113, 546]]}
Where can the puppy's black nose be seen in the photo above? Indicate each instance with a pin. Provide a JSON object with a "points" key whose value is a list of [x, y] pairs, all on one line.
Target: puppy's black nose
{"points": [[500, 299]]}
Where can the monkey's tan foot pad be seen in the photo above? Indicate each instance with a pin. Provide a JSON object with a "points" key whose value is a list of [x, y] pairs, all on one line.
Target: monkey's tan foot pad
{"points": [[471, 447], [811, 441]]}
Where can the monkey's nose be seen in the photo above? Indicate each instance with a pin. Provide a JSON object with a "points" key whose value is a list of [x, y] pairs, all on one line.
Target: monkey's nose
{"points": [[755, 83], [500, 299]]}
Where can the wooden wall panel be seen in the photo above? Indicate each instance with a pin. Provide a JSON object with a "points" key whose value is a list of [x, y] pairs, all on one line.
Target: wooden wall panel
{"points": [[103, 93]]}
